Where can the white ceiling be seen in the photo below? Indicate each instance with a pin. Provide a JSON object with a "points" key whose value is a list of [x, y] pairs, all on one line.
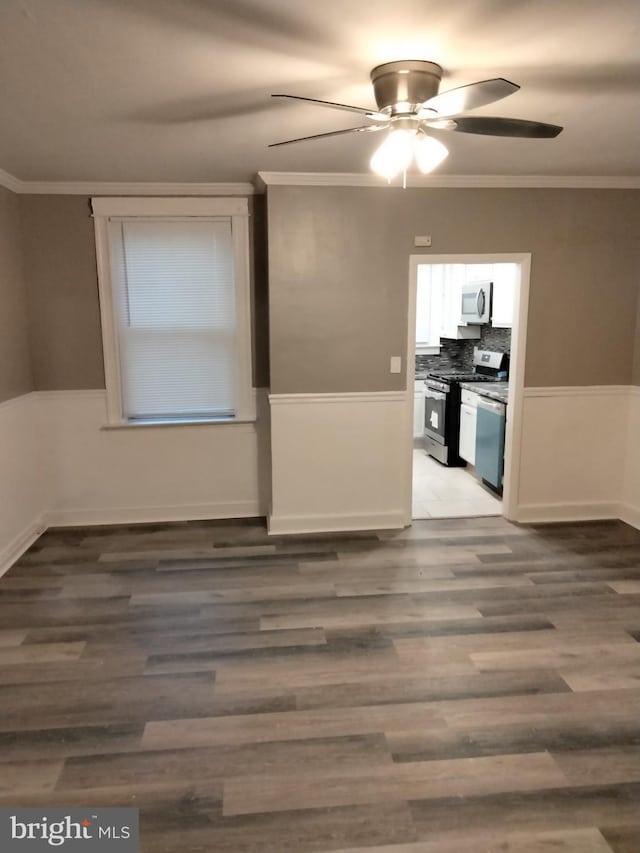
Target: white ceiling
{"points": [[178, 90]]}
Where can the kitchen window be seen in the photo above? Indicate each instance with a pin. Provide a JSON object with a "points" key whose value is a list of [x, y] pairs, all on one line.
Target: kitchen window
{"points": [[174, 300], [428, 310]]}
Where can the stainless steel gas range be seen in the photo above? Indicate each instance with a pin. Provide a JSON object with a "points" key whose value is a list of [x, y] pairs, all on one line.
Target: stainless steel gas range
{"points": [[442, 403]]}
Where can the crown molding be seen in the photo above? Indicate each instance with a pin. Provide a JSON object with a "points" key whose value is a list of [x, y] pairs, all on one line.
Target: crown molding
{"points": [[346, 179], [136, 189], [263, 180], [124, 188]]}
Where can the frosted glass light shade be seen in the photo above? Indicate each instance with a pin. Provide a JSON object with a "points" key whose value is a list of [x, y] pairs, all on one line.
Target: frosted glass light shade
{"points": [[429, 153], [394, 155]]}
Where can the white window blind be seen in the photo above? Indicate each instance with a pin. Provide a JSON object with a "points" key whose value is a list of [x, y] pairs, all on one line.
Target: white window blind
{"points": [[175, 315]]}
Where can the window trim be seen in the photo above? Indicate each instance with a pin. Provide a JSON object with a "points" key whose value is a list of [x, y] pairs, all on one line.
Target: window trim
{"points": [[235, 208]]}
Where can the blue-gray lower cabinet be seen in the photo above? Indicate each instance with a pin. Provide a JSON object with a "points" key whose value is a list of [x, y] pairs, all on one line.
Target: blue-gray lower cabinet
{"points": [[490, 426]]}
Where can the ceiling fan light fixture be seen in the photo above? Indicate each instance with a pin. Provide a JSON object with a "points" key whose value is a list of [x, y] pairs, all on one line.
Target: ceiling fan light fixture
{"points": [[429, 152], [394, 155], [409, 102], [399, 149]]}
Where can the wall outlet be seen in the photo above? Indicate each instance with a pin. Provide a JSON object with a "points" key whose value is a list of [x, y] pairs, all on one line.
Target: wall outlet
{"points": [[396, 364], [425, 240]]}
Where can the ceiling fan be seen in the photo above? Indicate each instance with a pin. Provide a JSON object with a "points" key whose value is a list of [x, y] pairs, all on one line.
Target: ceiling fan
{"points": [[409, 105]]}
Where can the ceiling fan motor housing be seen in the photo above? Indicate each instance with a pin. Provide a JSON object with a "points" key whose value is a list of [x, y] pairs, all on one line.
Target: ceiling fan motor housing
{"points": [[410, 82]]}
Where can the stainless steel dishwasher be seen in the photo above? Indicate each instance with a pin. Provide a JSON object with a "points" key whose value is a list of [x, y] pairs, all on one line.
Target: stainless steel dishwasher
{"points": [[490, 427]]}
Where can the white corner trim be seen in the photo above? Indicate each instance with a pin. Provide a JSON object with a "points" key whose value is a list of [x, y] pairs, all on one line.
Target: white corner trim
{"points": [[285, 524], [17, 547], [578, 391], [347, 179], [346, 397]]}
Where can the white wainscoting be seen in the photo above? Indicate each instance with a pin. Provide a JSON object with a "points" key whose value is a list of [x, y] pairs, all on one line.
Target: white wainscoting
{"points": [[24, 486], [630, 511], [138, 474], [338, 461], [573, 453]]}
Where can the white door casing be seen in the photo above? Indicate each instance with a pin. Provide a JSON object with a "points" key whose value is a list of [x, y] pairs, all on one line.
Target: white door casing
{"points": [[516, 372]]}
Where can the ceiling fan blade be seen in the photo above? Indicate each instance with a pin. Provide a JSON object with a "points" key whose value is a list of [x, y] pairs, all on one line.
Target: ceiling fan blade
{"points": [[515, 127], [364, 129], [470, 97], [374, 114]]}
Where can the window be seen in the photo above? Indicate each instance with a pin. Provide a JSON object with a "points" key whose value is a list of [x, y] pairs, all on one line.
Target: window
{"points": [[174, 298], [428, 310]]}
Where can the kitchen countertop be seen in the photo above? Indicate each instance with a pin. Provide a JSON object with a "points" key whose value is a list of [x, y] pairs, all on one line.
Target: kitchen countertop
{"points": [[493, 390]]}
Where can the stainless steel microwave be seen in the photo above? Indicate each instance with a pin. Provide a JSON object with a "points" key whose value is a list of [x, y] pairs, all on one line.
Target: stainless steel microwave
{"points": [[475, 304]]}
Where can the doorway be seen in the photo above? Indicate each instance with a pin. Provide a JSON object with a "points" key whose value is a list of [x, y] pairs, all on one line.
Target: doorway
{"points": [[434, 489]]}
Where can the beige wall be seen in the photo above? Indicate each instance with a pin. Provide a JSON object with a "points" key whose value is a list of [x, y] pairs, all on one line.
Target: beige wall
{"points": [[60, 268], [338, 278], [15, 364], [338, 267]]}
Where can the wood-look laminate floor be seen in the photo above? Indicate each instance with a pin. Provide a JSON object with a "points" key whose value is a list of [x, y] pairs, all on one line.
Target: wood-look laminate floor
{"points": [[465, 685]]}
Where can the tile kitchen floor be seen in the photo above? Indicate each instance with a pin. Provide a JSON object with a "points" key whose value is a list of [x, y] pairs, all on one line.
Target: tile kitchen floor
{"points": [[441, 492]]}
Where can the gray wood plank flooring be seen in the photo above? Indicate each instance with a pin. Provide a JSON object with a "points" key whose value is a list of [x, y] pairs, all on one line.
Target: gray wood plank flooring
{"points": [[464, 685]]}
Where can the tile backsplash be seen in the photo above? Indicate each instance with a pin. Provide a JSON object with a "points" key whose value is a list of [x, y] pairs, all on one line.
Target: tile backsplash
{"points": [[458, 355], [452, 356], [496, 340]]}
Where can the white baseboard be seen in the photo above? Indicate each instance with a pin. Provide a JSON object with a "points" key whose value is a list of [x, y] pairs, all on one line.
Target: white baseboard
{"points": [[12, 552], [392, 520], [587, 511], [153, 514]]}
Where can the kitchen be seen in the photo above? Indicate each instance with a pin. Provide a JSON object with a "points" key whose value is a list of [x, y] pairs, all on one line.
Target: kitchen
{"points": [[464, 318]]}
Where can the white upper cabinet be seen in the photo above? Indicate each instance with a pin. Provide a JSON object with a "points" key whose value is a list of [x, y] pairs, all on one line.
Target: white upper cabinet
{"points": [[449, 278], [439, 297], [504, 278], [504, 289]]}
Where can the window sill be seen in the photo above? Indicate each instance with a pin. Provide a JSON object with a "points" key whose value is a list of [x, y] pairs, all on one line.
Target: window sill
{"points": [[179, 423], [422, 349]]}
